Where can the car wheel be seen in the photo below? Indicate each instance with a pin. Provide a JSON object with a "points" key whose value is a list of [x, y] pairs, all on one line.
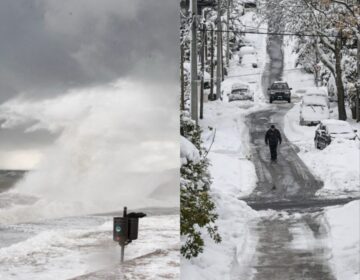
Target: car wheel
{"points": [[271, 101], [289, 100], [302, 122]]}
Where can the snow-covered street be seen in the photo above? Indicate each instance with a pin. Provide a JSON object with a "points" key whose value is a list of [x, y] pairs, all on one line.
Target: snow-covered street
{"points": [[314, 231]]}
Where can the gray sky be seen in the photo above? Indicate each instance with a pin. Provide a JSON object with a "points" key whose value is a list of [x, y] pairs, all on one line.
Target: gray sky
{"points": [[50, 48]]}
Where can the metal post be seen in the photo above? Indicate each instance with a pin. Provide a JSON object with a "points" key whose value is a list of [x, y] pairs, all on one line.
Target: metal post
{"points": [[212, 66], [222, 57], [202, 51], [218, 52], [182, 80], [358, 81], [206, 45], [122, 244], [194, 74], [316, 69], [228, 34]]}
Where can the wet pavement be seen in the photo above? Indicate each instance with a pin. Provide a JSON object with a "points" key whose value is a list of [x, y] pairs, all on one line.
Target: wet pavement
{"points": [[288, 178], [292, 250], [287, 249]]}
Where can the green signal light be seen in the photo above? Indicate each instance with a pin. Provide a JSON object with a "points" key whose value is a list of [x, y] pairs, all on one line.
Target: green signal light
{"points": [[118, 228]]}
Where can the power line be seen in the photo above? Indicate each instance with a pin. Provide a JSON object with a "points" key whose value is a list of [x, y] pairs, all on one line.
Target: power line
{"points": [[259, 73], [271, 33]]}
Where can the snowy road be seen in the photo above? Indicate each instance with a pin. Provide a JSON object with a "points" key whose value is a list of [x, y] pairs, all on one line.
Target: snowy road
{"points": [[289, 177], [294, 244], [291, 249]]}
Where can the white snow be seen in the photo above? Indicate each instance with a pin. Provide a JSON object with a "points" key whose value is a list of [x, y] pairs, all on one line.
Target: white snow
{"points": [[188, 152], [344, 232], [233, 175], [338, 165]]}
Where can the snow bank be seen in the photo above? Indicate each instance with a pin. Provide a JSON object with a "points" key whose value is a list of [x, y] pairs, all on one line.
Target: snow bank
{"points": [[188, 152], [337, 165], [344, 226], [233, 176]]}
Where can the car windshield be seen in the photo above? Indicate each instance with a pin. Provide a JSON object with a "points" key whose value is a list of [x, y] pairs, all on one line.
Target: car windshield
{"points": [[279, 86], [239, 91], [315, 105], [339, 129]]}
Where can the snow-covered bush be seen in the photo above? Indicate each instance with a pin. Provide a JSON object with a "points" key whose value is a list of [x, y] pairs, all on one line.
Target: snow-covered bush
{"points": [[197, 213]]}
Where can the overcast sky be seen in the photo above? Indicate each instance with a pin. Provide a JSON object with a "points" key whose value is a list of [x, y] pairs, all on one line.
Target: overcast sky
{"points": [[50, 49]]}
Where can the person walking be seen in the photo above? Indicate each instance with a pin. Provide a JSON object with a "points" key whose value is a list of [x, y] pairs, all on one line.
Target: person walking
{"points": [[273, 138]]}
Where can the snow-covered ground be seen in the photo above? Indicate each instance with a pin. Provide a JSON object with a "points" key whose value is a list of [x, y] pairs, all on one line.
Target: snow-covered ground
{"points": [[344, 233], [234, 177], [338, 165], [233, 173], [73, 246]]}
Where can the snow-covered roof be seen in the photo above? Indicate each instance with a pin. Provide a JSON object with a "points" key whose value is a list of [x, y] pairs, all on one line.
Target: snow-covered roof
{"points": [[240, 85], [338, 127], [334, 122], [247, 50], [314, 100], [316, 90]]}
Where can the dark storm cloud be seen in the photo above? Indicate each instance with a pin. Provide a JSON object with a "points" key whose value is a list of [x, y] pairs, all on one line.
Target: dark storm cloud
{"points": [[50, 46]]}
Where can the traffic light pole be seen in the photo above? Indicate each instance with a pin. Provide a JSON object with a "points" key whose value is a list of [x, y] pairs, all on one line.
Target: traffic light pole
{"points": [[122, 244]]}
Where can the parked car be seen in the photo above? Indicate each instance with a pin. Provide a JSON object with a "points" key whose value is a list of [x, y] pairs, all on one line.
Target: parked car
{"points": [[241, 91], [318, 91], [327, 130], [279, 90], [250, 60], [313, 109]]}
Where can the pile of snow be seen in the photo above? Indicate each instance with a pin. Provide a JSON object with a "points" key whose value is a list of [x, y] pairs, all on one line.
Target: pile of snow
{"points": [[337, 165], [188, 152], [233, 176], [344, 234]]}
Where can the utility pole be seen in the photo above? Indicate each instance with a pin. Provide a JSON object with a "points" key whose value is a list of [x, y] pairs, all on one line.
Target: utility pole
{"points": [[222, 57], [358, 80], [182, 81], [212, 66], [228, 34], [218, 53], [194, 74], [202, 51], [206, 45]]}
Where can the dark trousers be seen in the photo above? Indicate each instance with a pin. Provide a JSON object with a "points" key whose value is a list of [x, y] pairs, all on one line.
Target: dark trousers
{"points": [[273, 151]]}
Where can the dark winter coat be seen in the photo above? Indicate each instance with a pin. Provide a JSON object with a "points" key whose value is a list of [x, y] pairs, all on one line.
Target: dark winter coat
{"points": [[273, 137]]}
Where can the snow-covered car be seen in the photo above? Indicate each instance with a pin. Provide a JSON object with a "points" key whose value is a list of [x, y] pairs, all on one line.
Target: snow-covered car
{"points": [[247, 50], [320, 92], [327, 130], [313, 109], [249, 5], [241, 91], [250, 60], [279, 90]]}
